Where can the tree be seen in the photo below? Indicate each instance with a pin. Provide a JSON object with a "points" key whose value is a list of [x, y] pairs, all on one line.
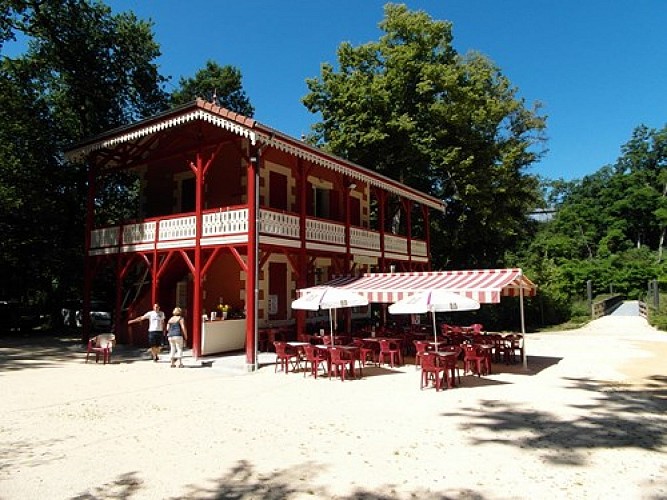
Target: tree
{"points": [[221, 84], [609, 226], [411, 108], [84, 71]]}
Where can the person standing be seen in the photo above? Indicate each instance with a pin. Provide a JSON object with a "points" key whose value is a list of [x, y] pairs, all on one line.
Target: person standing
{"points": [[155, 329], [177, 335]]}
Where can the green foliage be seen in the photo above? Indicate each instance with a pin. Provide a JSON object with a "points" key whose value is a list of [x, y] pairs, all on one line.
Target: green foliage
{"points": [[657, 316], [84, 71], [221, 84], [412, 108], [609, 227]]}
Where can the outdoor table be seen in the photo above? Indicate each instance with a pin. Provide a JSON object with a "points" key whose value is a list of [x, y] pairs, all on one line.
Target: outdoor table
{"points": [[297, 345], [377, 339], [437, 345], [393, 340]]}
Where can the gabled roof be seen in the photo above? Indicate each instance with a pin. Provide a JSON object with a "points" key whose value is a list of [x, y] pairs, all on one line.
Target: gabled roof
{"points": [[486, 286], [257, 134]]}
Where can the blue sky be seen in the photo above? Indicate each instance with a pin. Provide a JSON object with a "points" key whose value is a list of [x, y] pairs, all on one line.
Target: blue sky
{"points": [[599, 67]]}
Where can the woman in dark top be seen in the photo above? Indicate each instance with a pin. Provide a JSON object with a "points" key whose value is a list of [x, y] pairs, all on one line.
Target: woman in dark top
{"points": [[177, 334]]}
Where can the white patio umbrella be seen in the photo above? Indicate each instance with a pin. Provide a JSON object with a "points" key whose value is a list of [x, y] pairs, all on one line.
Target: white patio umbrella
{"points": [[328, 297], [433, 301]]}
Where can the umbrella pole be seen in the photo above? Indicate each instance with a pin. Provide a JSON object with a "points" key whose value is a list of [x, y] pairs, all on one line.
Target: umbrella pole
{"points": [[435, 331], [523, 328], [331, 327]]}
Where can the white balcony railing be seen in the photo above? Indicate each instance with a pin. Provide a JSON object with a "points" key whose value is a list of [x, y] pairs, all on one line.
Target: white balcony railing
{"points": [[225, 222], [177, 229], [419, 248], [325, 232], [363, 238], [142, 232], [395, 244], [170, 231], [278, 224], [105, 237]]}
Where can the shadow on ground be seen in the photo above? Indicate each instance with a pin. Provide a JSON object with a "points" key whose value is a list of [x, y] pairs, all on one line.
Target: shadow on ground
{"points": [[243, 482], [44, 349], [621, 417]]}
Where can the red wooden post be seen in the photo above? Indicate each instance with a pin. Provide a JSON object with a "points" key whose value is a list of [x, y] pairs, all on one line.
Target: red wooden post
{"points": [[120, 329], [252, 170], [408, 222], [197, 281], [302, 279], [382, 199]]}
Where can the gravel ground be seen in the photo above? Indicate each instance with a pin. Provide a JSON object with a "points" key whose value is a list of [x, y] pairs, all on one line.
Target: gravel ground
{"points": [[586, 420]]}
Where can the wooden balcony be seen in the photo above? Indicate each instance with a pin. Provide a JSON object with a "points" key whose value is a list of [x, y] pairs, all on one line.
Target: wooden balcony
{"points": [[229, 226]]}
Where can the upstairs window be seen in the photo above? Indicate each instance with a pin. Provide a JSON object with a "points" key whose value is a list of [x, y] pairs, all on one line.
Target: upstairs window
{"points": [[321, 202]]}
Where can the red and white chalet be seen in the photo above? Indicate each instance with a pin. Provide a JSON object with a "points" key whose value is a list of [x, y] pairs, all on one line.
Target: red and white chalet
{"points": [[234, 211]]}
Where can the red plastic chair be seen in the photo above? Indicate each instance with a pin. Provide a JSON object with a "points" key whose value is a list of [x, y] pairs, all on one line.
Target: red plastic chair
{"points": [[477, 328], [514, 346], [432, 371], [475, 361], [340, 361], [392, 350], [452, 363], [366, 351], [101, 345], [286, 356], [316, 357], [421, 346], [499, 352]]}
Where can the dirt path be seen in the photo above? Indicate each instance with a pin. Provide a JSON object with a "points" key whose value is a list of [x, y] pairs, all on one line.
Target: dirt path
{"points": [[586, 421]]}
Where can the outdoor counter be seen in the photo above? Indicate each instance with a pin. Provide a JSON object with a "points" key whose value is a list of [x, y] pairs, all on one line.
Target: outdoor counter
{"points": [[222, 336]]}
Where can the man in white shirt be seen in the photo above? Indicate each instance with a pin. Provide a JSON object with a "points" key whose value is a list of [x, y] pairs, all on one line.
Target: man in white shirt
{"points": [[156, 329]]}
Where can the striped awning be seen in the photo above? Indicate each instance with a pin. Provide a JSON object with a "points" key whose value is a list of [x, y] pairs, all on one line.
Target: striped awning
{"points": [[486, 286]]}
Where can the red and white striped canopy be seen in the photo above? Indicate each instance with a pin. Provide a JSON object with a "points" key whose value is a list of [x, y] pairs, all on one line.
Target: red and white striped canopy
{"points": [[486, 286]]}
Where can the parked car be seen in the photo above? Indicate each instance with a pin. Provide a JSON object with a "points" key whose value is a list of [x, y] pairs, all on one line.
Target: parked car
{"points": [[16, 316], [101, 318]]}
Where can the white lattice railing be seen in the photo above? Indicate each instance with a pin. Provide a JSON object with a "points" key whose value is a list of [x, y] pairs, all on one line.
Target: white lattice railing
{"points": [[105, 237], [419, 248], [142, 232], [178, 228], [278, 224], [395, 244], [363, 238], [235, 222], [225, 222], [325, 232]]}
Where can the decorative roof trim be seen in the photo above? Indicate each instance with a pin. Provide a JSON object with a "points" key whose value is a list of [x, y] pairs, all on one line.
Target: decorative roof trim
{"points": [[197, 114], [354, 173], [256, 133]]}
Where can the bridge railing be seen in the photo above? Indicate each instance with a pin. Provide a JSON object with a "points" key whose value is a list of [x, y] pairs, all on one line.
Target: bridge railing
{"points": [[606, 306]]}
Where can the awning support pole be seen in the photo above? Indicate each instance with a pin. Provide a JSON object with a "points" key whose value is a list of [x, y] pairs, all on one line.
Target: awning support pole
{"points": [[523, 325]]}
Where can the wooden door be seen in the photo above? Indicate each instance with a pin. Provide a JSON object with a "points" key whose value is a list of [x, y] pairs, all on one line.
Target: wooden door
{"points": [[278, 290]]}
